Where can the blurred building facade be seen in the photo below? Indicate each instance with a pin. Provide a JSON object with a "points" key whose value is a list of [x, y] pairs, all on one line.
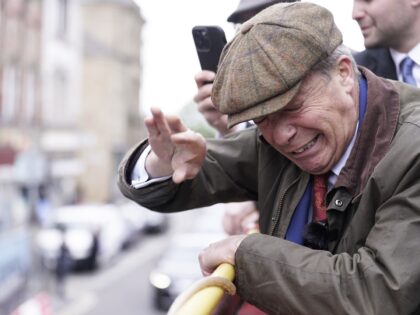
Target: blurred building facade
{"points": [[20, 120], [69, 108], [69, 94], [110, 94]]}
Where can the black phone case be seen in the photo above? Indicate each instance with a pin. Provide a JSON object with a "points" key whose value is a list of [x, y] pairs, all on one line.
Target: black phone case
{"points": [[209, 42]]}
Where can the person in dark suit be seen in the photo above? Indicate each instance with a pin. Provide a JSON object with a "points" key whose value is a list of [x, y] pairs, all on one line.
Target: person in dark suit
{"points": [[379, 61], [391, 31]]}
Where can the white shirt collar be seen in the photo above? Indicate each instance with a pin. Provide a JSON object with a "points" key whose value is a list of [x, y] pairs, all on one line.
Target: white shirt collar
{"points": [[335, 171], [414, 54]]}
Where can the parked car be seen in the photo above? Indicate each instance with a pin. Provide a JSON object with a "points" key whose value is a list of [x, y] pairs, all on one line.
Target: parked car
{"points": [[156, 222], [133, 215], [141, 217], [178, 267], [94, 235]]}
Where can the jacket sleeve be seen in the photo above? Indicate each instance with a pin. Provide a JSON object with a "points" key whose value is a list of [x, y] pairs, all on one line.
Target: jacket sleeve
{"points": [[221, 179], [376, 273]]}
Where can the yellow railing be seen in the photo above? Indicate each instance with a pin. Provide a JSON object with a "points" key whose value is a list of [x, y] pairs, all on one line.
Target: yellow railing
{"points": [[203, 297]]}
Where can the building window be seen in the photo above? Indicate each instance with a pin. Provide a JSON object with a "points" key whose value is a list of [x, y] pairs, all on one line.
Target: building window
{"points": [[62, 18], [9, 95], [63, 114], [29, 98]]}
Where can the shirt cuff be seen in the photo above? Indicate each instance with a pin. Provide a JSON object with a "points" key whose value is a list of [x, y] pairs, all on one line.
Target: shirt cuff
{"points": [[139, 177]]}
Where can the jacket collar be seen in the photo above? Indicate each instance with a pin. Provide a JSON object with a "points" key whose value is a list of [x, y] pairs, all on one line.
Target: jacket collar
{"points": [[380, 123]]}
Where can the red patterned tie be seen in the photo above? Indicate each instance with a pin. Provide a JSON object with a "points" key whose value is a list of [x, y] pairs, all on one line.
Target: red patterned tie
{"points": [[248, 309], [319, 191]]}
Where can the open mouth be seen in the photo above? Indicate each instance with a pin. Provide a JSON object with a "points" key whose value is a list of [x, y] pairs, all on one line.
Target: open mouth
{"points": [[307, 146]]}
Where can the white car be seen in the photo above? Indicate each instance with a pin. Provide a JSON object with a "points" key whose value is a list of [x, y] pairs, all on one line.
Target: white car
{"points": [[135, 216], [94, 234], [142, 218]]}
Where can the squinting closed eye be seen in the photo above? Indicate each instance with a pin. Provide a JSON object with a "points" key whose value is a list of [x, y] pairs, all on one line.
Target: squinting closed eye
{"points": [[259, 120]]}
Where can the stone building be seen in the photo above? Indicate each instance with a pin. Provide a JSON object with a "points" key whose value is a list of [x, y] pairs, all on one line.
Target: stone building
{"points": [[110, 94], [69, 108], [69, 93]]}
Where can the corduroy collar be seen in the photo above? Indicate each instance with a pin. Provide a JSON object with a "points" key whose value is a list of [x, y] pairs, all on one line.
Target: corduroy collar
{"points": [[379, 125]]}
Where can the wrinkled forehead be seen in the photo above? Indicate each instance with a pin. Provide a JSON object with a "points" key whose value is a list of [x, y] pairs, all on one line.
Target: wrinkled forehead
{"points": [[312, 86]]}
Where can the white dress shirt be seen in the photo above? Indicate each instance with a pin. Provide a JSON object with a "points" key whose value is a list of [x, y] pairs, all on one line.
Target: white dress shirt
{"points": [[414, 54]]}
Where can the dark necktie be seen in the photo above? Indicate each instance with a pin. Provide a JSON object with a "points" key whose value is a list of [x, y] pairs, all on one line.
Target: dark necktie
{"points": [[315, 234], [319, 191], [406, 68]]}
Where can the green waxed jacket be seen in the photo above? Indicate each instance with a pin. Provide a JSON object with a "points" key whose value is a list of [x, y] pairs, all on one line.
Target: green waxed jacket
{"points": [[372, 265]]}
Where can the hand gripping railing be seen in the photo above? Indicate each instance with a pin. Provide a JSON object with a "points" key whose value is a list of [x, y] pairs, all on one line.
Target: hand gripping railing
{"points": [[203, 296]]}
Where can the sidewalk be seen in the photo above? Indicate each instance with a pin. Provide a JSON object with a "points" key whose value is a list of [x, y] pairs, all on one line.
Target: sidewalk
{"points": [[39, 297]]}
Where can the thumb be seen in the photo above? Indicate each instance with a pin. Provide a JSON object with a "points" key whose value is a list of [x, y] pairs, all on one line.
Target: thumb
{"points": [[179, 176]]}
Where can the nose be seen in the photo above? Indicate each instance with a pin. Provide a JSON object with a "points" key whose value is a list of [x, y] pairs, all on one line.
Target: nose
{"points": [[283, 132], [358, 11]]}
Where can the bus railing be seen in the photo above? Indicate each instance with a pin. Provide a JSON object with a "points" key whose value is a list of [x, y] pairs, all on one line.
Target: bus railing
{"points": [[203, 297]]}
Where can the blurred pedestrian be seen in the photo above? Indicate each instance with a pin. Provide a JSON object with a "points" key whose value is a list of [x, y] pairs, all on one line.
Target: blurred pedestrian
{"points": [[94, 251], [391, 31], [44, 208], [63, 267]]}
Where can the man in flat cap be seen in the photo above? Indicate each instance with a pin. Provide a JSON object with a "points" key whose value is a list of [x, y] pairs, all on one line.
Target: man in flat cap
{"points": [[322, 126]]}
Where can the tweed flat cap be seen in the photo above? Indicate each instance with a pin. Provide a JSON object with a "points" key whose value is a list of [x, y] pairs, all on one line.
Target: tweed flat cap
{"points": [[260, 70]]}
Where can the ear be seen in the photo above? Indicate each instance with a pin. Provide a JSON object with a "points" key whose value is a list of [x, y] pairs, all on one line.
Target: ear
{"points": [[345, 66], [345, 72]]}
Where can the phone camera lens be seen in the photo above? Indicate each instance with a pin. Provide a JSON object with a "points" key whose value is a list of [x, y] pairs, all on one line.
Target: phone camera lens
{"points": [[202, 40]]}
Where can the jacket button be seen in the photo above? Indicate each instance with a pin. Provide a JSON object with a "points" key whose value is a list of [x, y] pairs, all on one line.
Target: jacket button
{"points": [[338, 203]]}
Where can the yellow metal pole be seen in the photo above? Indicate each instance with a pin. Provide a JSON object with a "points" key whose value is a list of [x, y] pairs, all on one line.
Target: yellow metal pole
{"points": [[204, 301]]}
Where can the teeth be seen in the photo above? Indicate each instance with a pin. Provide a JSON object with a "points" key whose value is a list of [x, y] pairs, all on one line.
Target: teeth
{"points": [[306, 147]]}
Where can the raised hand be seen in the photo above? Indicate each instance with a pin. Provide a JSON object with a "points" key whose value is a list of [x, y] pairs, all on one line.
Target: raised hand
{"points": [[176, 149]]}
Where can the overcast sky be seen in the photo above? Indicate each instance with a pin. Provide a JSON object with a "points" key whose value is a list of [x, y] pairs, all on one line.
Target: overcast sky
{"points": [[169, 57]]}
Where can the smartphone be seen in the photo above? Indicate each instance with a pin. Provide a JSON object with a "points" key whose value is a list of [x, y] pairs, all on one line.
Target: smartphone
{"points": [[209, 42]]}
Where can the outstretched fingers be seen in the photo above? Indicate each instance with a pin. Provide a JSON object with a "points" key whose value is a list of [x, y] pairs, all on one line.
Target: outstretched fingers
{"points": [[189, 155], [159, 134], [160, 122], [176, 147]]}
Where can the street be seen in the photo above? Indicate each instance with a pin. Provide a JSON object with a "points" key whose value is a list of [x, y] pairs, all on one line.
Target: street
{"points": [[122, 287]]}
